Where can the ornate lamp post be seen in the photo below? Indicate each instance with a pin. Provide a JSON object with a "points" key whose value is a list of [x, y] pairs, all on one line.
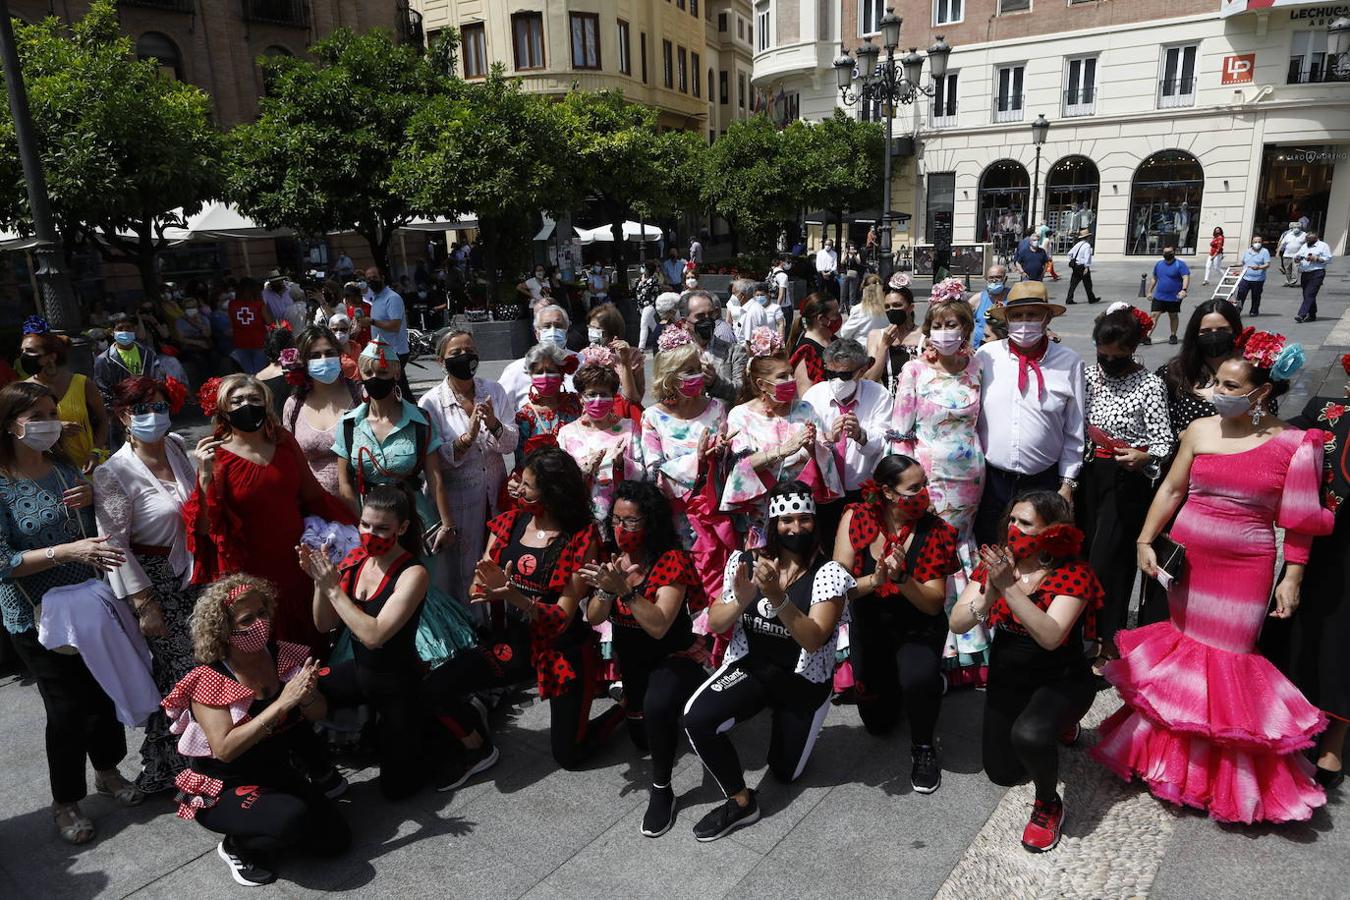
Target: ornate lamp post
{"points": [[889, 82], [1039, 129]]}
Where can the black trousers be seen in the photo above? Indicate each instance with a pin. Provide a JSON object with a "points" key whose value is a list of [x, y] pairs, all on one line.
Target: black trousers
{"points": [[896, 666], [287, 814], [400, 724], [81, 720], [1311, 283], [573, 736], [1244, 288], [1024, 716], [1112, 505], [738, 692], [654, 698], [1000, 487], [1082, 276]]}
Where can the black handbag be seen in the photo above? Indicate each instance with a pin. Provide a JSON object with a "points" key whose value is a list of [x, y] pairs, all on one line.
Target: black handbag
{"points": [[1171, 556]]}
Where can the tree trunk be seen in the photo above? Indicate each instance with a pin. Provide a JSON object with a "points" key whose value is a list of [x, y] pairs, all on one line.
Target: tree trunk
{"points": [[377, 239], [489, 235], [620, 249]]}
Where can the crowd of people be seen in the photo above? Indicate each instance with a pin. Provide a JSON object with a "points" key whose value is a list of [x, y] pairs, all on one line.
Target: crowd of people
{"points": [[802, 508]]}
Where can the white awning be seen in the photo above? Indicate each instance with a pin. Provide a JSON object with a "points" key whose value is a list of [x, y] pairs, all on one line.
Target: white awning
{"points": [[220, 221], [463, 223]]}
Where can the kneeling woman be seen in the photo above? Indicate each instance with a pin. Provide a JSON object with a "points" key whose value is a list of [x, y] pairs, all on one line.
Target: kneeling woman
{"points": [[1044, 600], [901, 553], [377, 593], [649, 591], [783, 604], [244, 717]]}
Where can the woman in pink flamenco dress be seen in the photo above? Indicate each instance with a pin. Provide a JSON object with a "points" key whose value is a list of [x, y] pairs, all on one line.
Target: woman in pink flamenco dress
{"points": [[1207, 722]]}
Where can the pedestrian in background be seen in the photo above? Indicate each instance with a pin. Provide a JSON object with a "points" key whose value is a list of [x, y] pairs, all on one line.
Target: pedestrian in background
{"points": [[1080, 264], [1255, 262], [1312, 259], [1031, 259], [1215, 261], [1167, 287], [1290, 243]]}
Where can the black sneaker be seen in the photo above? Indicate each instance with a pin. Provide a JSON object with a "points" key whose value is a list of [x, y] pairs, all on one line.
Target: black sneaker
{"points": [[1094, 300], [481, 708], [333, 785], [660, 812], [1328, 779], [1300, 319], [727, 818], [245, 871], [926, 776], [469, 764], [1172, 339]]}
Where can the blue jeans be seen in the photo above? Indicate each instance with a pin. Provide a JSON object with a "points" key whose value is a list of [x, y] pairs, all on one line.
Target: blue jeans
{"points": [[1312, 283], [1254, 288]]}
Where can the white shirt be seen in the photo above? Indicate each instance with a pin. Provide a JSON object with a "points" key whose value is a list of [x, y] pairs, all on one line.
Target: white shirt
{"points": [[779, 279], [1030, 434], [861, 323], [515, 380], [827, 261], [696, 252], [755, 314], [1081, 253], [1290, 242], [535, 287], [1320, 250], [480, 468], [874, 415]]}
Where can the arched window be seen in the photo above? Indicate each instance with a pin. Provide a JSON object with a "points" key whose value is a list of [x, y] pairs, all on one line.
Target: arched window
{"points": [[275, 50], [160, 48], [1165, 203], [1005, 189], [1071, 189]]}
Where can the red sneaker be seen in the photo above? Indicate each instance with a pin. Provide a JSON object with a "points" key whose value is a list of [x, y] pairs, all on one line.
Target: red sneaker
{"points": [[1069, 736], [1047, 821]]}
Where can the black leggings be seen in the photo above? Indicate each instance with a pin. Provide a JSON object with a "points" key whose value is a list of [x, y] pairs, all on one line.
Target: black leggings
{"points": [[1023, 721], [893, 663], [1113, 503], [573, 736], [269, 818], [738, 692], [401, 720], [81, 720], [653, 700]]}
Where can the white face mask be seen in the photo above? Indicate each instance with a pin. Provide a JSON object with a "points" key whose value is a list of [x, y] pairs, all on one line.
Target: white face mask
{"points": [[341, 335], [946, 341], [844, 390], [595, 335], [1026, 334], [40, 435]]}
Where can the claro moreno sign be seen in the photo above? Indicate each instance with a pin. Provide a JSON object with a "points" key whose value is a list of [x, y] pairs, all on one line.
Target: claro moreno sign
{"points": [[1298, 9]]}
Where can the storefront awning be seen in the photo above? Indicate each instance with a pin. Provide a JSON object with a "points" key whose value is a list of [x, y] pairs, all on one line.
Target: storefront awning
{"points": [[1236, 7]]}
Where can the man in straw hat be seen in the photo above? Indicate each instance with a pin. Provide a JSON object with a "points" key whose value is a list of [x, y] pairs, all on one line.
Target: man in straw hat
{"points": [[1080, 262], [1031, 408]]}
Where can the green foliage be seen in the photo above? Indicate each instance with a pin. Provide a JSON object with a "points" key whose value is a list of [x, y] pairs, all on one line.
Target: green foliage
{"points": [[835, 164], [744, 181], [121, 145], [321, 155]]}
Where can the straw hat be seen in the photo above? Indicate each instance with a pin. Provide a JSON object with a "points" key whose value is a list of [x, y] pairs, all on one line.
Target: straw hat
{"points": [[1026, 295]]}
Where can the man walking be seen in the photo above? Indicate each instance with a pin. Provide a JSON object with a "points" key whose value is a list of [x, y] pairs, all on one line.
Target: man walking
{"points": [[827, 266], [1080, 263], [1167, 287], [673, 269], [1287, 248], [1312, 259], [1255, 262], [389, 323], [1032, 260]]}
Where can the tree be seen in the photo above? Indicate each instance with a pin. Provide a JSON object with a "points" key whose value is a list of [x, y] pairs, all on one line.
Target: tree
{"points": [[835, 164], [746, 180], [321, 155], [495, 150], [122, 146]]}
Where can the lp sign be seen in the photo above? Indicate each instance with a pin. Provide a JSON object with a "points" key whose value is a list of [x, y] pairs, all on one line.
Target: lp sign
{"points": [[1239, 69]]}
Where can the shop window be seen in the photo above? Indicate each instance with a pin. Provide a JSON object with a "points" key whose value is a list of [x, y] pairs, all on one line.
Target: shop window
{"points": [[1005, 189], [941, 206], [1165, 204], [1071, 189], [474, 41], [1295, 183]]}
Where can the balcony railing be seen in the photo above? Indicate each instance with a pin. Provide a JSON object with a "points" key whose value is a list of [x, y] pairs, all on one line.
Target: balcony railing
{"points": [[1082, 102], [1176, 92], [294, 13], [1008, 109], [1322, 71], [183, 6], [943, 116]]}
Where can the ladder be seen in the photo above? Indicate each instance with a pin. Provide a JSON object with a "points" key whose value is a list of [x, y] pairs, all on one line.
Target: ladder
{"points": [[1227, 285]]}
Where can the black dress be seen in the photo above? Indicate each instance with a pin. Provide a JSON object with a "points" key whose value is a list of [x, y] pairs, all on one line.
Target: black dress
{"points": [[1311, 646]]}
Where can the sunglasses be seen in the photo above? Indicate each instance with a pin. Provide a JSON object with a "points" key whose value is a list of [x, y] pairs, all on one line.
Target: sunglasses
{"points": [[140, 409]]}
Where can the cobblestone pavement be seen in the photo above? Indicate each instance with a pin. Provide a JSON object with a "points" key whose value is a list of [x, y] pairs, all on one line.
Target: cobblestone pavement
{"points": [[851, 827]]}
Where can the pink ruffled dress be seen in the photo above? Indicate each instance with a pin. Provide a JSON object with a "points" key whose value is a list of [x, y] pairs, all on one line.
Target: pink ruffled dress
{"points": [[1207, 722]]}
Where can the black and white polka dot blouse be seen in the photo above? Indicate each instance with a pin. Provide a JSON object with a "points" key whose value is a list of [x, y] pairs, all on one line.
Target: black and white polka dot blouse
{"points": [[1132, 408]]}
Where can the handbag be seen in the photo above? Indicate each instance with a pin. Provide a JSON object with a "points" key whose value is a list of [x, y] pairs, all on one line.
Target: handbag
{"points": [[1171, 556]]}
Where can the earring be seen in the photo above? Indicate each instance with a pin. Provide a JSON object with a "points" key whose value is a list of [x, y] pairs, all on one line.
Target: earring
{"points": [[1257, 414]]}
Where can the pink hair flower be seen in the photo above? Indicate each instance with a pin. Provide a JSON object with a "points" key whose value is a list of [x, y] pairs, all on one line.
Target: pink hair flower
{"points": [[764, 341]]}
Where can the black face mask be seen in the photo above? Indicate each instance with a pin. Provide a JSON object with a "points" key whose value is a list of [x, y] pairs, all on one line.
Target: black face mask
{"points": [[1215, 343], [462, 366], [375, 286], [1169, 256], [1115, 366], [898, 317], [704, 328], [378, 388], [800, 543], [248, 418]]}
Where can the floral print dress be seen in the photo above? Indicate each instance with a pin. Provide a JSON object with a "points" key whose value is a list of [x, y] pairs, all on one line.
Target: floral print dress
{"points": [[935, 419], [620, 458], [670, 454]]}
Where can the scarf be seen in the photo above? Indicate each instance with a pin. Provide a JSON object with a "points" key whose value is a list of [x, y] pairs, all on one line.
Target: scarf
{"points": [[1030, 359]]}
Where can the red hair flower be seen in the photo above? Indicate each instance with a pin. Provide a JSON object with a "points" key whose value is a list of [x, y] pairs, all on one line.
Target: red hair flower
{"points": [[571, 364], [176, 392], [294, 368], [1145, 321], [1260, 348], [1345, 363], [206, 396], [1061, 541]]}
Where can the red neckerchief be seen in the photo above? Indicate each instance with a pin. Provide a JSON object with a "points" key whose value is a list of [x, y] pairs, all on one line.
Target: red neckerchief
{"points": [[1030, 359]]}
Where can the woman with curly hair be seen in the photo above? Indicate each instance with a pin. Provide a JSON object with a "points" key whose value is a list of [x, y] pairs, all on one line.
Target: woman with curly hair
{"points": [[244, 716], [141, 493], [649, 590], [604, 443], [321, 395], [1041, 599], [253, 492], [84, 419], [775, 437]]}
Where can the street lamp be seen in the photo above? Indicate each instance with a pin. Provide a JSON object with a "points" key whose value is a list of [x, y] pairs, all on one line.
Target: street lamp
{"points": [[1039, 129], [887, 81], [1338, 48]]}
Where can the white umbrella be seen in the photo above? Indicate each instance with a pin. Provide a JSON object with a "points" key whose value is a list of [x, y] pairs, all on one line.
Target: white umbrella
{"points": [[636, 231], [220, 221], [463, 223]]}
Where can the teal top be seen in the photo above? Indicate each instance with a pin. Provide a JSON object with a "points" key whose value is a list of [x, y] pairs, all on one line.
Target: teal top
{"points": [[388, 461], [34, 517]]}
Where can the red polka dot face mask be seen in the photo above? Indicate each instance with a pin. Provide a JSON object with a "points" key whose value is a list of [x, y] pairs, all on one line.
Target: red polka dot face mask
{"points": [[912, 506], [253, 638], [1057, 542]]}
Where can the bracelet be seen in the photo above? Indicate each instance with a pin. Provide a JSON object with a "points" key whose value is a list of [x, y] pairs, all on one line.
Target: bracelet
{"points": [[980, 618], [50, 553], [775, 610]]}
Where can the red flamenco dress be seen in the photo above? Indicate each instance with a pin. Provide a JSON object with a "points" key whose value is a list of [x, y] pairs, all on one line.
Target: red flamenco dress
{"points": [[250, 520], [1208, 722]]}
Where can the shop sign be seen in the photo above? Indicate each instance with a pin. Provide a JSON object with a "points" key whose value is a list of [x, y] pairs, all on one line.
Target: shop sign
{"points": [[1239, 68], [1305, 9]]}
